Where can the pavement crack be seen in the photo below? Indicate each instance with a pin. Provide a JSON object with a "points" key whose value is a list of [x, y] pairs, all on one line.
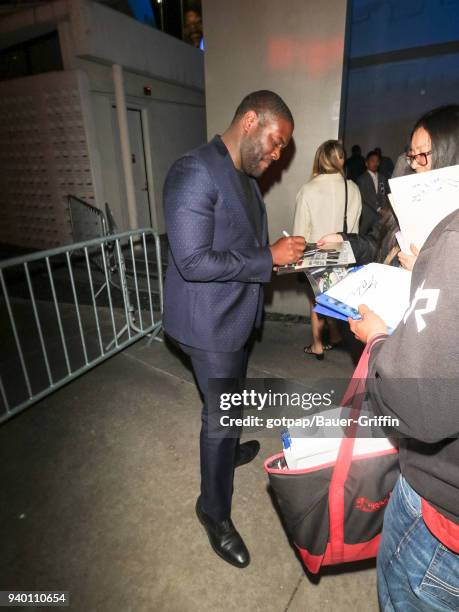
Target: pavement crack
{"points": [[160, 370], [292, 596]]}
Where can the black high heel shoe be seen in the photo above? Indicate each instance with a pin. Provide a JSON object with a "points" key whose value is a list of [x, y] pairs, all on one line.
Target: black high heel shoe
{"points": [[307, 350]]}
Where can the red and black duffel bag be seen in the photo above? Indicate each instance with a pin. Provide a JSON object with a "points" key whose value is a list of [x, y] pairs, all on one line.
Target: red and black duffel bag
{"points": [[334, 512]]}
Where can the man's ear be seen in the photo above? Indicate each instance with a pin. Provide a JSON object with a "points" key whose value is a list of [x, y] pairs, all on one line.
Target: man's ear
{"points": [[249, 121]]}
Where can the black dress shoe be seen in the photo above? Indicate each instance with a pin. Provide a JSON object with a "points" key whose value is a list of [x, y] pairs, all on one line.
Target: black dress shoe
{"points": [[246, 452], [224, 538]]}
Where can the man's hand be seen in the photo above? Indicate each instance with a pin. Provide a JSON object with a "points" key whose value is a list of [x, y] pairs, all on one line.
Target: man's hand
{"points": [[329, 238], [287, 250], [368, 326], [407, 261]]}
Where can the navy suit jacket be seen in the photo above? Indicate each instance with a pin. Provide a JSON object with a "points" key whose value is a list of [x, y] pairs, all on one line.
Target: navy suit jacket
{"points": [[372, 199], [217, 262]]}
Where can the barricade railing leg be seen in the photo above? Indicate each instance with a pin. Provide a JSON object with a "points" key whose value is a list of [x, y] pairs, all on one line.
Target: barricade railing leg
{"points": [[153, 335]]}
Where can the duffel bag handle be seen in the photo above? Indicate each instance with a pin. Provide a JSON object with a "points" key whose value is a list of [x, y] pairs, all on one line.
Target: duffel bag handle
{"points": [[353, 395]]}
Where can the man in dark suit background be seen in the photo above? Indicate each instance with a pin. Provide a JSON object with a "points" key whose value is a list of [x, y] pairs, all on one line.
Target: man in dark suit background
{"points": [[386, 165], [355, 164], [219, 258], [374, 189]]}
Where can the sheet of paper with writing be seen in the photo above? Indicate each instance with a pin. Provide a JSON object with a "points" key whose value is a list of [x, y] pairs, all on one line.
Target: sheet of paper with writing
{"points": [[422, 200], [384, 289]]}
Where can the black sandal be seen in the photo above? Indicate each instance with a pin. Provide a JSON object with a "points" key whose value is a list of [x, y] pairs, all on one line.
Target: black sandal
{"points": [[307, 350]]}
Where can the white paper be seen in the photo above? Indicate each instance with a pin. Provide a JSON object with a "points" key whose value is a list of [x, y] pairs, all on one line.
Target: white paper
{"points": [[422, 200], [305, 452], [403, 243], [297, 459], [384, 289]]}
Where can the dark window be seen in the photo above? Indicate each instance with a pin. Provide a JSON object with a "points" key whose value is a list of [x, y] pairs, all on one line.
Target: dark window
{"points": [[34, 56], [173, 18]]}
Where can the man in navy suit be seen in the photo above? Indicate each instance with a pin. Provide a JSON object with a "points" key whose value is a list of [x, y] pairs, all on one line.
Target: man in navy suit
{"points": [[219, 258]]}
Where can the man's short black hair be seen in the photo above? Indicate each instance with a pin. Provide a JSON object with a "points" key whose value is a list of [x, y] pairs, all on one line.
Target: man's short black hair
{"points": [[372, 153], [192, 6], [264, 102]]}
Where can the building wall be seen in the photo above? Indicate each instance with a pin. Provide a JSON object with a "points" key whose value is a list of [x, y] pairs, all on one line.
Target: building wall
{"points": [[174, 114], [49, 121], [175, 121], [379, 26], [404, 59], [384, 101], [296, 49], [110, 37], [44, 156]]}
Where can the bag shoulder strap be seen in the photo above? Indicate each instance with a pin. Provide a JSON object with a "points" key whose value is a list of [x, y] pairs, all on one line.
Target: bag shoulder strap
{"points": [[345, 207], [354, 395]]}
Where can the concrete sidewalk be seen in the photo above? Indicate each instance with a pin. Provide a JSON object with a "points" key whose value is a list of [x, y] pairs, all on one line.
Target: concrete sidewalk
{"points": [[99, 486]]}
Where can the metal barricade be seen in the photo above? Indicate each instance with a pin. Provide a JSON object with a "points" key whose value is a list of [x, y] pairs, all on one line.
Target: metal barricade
{"points": [[88, 221], [53, 329]]}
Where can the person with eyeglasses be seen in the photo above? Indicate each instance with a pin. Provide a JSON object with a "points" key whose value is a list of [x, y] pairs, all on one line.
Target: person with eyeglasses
{"points": [[421, 159], [380, 244], [401, 167], [413, 377]]}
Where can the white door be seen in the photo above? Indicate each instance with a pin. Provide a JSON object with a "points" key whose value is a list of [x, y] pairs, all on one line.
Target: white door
{"points": [[139, 171]]}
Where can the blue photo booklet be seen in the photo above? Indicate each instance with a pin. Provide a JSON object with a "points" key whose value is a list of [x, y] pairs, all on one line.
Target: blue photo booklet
{"points": [[330, 307], [328, 312], [384, 289], [339, 309]]}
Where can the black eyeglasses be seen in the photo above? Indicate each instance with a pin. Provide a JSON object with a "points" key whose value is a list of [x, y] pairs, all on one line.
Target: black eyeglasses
{"points": [[419, 158]]}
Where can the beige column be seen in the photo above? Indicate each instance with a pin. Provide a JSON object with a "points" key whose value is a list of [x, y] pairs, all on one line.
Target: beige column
{"points": [[121, 111]]}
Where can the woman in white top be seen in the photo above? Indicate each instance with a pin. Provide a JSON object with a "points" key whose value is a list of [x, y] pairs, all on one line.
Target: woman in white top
{"points": [[320, 206]]}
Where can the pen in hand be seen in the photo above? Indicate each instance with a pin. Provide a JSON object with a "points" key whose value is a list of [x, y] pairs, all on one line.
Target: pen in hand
{"points": [[306, 252]]}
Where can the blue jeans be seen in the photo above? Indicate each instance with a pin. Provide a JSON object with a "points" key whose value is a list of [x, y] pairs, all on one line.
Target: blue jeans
{"points": [[415, 571]]}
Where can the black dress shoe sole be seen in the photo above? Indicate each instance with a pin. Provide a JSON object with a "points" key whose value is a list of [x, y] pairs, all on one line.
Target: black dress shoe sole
{"points": [[216, 550], [245, 461]]}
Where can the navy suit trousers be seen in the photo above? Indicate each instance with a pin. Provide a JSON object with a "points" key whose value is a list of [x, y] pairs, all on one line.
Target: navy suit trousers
{"points": [[218, 445]]}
